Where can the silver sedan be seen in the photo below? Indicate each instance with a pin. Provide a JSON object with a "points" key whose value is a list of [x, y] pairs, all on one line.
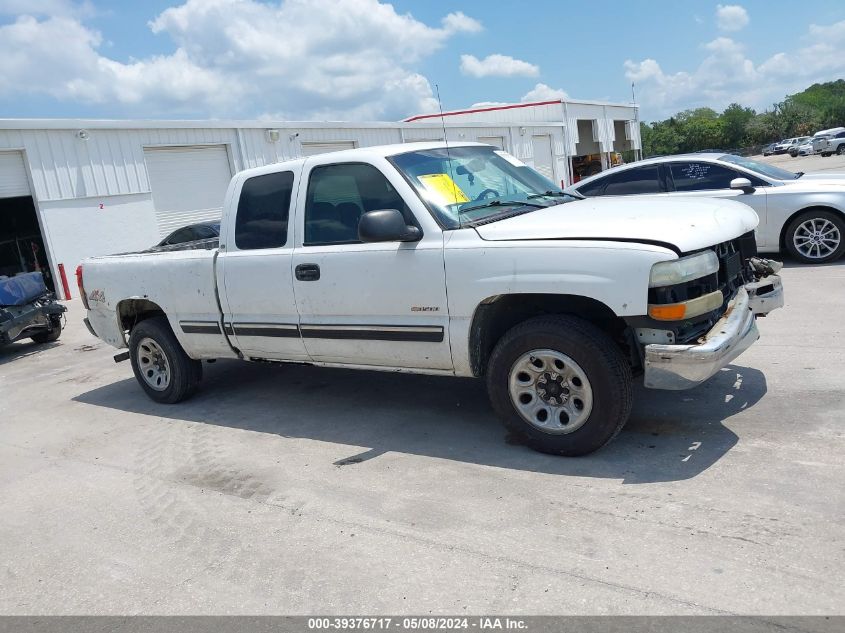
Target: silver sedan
{"points": [[802, 213]]}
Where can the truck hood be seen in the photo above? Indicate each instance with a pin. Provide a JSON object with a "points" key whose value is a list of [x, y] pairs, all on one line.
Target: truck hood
{"points": [[687, 225]]}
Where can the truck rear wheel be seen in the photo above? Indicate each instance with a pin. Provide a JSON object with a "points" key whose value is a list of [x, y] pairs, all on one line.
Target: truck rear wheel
{"points": [[163, 369], [560, 385]]}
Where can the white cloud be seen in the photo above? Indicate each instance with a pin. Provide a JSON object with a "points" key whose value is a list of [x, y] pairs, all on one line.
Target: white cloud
{"points": [[727, 74], [731, 17], [459, 23], [489, 104], [302, 58], [542, 92], [497, 66]]}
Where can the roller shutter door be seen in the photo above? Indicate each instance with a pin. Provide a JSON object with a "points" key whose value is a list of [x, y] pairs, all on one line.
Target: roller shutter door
{"points": [[188, 184], [312, 149], [543, 157], [13, 180]]}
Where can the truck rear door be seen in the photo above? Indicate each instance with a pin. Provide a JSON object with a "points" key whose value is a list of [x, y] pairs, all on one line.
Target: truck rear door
{"points": [[254, 267]]}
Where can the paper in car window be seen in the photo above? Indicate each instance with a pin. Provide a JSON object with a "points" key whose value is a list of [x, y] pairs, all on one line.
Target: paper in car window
{"points": [[695, 171], [513, 160], [443, 189]]}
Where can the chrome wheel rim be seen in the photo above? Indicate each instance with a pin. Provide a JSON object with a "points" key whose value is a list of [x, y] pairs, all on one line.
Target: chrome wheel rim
{"points": [[153, 364], [550, 391], [816, 238]]}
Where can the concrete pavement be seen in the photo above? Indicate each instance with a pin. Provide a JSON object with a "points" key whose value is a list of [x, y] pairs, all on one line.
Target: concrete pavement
{"points": [[297, 490]]}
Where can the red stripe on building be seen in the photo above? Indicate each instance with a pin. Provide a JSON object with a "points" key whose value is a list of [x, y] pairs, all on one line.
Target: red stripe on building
{"points": [[490, 109]]}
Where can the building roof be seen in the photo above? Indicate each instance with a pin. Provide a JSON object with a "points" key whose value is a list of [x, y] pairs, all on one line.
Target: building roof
{"points": [[513, 106], [124, 124]]}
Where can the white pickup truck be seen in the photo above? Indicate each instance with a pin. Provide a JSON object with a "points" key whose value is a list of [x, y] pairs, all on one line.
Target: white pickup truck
{"points": [[456, 260]]}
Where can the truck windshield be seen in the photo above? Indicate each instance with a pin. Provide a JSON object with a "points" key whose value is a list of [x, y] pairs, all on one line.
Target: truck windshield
{"points": [[469, 185]]}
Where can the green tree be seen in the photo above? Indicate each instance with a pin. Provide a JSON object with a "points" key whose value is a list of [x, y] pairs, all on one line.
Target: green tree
{"points": [[735, 120], [802, 114]]}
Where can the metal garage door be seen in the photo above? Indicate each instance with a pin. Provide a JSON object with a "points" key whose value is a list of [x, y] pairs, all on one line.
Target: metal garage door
{"points": [[13, 180], [312, 149], [188, 184], [543, 157]]}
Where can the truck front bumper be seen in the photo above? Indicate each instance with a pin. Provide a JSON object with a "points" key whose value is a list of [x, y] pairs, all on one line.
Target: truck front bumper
{"points": [[676, 367]]}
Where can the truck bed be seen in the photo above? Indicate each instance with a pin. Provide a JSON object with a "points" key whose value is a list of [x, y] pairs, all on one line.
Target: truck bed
{"points": [[179, 281]]}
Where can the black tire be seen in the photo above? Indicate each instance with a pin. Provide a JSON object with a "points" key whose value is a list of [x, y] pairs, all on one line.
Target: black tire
{"points": [[794, 154], [819, 214], [607, 371], [840, 150], [48, 336], [185, 372]]}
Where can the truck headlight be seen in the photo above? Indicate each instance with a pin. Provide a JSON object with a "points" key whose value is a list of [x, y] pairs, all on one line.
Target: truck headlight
{"points": [[677, 271]]}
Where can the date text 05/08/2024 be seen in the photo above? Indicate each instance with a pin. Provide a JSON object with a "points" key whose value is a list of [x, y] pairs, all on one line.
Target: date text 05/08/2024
{"points": [[428, 623]]}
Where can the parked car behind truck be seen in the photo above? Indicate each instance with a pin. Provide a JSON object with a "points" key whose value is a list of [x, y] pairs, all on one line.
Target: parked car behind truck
{"points": [[457, 261], [803, 214]]}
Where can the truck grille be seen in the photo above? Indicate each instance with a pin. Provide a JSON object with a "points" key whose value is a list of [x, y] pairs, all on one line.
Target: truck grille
{"points": [[733, 273], [733, 267]]}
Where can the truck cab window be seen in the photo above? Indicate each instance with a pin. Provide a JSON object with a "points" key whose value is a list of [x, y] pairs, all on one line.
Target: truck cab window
{"points": [[338, 195], [263, 210]]}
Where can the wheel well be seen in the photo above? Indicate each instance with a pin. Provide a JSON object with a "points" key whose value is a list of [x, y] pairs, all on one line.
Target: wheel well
{"points": [[496, 315], [789, 220], [133, 311]]}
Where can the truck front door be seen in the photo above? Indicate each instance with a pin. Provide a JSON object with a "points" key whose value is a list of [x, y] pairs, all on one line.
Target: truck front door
{"points": [[360, 303]]}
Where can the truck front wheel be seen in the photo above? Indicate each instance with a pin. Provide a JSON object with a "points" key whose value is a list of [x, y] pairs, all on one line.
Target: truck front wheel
{"points": [[163, 369], [560, 385]]}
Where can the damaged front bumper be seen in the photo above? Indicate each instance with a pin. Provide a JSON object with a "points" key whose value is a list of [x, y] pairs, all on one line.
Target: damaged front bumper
{"points": [[676, 367]]}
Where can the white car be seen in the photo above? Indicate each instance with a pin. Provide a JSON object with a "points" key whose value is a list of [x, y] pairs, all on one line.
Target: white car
{"points": [[821, 137], [456, 260], [806, 149], [802, 213]]}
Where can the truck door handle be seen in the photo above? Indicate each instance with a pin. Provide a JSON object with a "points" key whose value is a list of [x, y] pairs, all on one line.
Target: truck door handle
{"points": [[307, 272]]}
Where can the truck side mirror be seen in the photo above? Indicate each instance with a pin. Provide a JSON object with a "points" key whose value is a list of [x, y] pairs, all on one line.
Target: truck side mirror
{"points": [[742, 183], [386, 225]]}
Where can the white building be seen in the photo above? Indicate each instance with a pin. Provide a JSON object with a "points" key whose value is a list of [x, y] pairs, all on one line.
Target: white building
{"points": [[70, 189], [590, 132]]}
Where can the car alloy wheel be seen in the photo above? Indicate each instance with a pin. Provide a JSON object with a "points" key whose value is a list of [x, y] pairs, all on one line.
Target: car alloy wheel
{"points": [[816, 238]]}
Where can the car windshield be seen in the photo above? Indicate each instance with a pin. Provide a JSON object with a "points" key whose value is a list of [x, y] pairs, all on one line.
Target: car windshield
{"points": [[465, 186], [761, 168]]}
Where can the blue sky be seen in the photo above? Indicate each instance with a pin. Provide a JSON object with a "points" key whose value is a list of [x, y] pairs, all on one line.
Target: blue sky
{"points": [[365, 59]]}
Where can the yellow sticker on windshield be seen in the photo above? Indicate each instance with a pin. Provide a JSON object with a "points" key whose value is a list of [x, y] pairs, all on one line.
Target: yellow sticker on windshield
{"points": [[443, 189]]}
